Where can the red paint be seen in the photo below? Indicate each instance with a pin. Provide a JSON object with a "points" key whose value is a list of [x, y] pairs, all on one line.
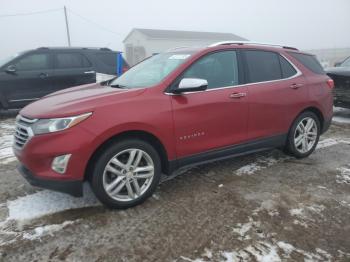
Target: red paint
{"points": [[184, 124]]}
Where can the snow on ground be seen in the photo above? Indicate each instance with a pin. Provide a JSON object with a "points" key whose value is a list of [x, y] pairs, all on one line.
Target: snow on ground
{"points": [[326, 143], [265, 251], [257, 247], [42, 231], [344, 175], [259, 164], [341, 115], [48, 202], [6, 140]]}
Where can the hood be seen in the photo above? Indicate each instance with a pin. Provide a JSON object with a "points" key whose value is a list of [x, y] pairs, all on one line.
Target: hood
{"points": [[341, 71], [77, 100]]}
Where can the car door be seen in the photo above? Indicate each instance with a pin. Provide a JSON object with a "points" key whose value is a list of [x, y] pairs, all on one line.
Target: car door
{"points": [[275, 89], [214, 118], [72, 69], [26, 79]]}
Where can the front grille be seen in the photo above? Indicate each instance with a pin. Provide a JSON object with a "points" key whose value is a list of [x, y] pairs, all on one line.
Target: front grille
{"points": [[23, 131]]}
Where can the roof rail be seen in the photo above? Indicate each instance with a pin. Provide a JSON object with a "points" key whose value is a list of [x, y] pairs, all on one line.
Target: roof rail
{"points": [[250, 43]]}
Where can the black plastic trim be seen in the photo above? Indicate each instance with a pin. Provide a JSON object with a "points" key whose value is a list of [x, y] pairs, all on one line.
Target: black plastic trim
{"points": [[74, 188], [228, 152], [326, 125]]}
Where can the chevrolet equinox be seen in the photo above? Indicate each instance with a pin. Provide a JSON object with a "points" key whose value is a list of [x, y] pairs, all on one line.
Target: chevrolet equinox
{"points": [[177, 109]]}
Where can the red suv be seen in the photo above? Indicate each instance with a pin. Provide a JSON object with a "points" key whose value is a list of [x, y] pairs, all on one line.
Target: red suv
{"points": [[174, 110]]}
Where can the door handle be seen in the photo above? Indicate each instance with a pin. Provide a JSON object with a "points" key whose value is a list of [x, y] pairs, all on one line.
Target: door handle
{"points": [[43, 75], [89, 72], [296, 86], [238, 95]]}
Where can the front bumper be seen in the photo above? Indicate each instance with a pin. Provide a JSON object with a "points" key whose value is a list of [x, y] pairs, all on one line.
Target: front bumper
{"points": [[74, 188]]}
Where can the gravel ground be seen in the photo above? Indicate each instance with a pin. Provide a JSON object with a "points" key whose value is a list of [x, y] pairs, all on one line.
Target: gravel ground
{"points": [[262, 207]]}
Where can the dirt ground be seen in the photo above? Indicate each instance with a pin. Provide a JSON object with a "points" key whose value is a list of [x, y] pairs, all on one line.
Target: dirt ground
{"points": [[262, 207]]}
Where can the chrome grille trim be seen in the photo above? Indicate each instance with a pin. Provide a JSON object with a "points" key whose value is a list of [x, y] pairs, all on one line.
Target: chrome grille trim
{"points": [[23, 131]]}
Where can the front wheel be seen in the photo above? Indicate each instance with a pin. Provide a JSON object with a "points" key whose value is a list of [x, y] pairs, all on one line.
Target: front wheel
{"points": [[126, 174], [304, 135]]}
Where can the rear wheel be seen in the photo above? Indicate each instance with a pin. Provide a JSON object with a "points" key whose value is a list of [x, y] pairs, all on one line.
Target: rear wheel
{"points": [[126, 174], [304, 135]]}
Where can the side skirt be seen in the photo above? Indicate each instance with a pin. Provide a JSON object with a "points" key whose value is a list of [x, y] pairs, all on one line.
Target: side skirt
{"points": [[179, 165]]}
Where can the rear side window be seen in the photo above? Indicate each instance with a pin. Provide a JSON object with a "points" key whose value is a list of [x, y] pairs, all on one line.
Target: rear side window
{"points": [[309, 61], [33, 62], [287, 69], [71, 60], [109, 59], [262, 66]]}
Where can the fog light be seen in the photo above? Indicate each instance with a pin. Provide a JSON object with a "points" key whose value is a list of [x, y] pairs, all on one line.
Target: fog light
{"points": [[60, 163]]}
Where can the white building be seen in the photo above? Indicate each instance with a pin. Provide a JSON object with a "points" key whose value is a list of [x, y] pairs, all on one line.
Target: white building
{"points": [[142, 43]]}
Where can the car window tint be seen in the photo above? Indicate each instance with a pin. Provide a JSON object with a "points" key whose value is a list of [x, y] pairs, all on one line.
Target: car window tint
{"points": [[309, 61], [262, 66], [33, 62], [219, 69], [72, 60], [109, 59], [287, 69]]}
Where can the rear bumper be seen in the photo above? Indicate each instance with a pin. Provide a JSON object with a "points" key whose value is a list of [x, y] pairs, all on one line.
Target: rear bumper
{"points": [[74, 187]]}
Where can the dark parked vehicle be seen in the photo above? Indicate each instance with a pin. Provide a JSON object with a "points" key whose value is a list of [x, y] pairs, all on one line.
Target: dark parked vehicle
{"points": [[30, 75], [341, 77]]}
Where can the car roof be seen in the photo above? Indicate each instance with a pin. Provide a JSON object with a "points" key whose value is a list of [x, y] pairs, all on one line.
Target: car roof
{"points": [[76, 48]]}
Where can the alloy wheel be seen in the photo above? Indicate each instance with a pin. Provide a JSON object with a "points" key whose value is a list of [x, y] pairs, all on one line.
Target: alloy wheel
{"points": [[305, 135], [128, 175]]}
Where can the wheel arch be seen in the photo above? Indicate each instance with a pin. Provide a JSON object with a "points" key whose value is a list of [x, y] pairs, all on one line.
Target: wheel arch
{"points": [[312, 109], [139, 134]]}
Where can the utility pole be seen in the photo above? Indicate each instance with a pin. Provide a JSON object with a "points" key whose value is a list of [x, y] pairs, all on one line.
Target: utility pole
{"points": [[67, 26]]}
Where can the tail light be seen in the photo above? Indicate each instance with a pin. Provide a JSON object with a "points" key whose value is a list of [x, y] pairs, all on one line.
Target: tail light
{"points": [[330, 83], [125, 69]]}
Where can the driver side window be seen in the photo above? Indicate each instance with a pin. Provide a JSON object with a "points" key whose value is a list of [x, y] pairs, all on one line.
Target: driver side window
{"points": [[33, 62], [220, 69]]}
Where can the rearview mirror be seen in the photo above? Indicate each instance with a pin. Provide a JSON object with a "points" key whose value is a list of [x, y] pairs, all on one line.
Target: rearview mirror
{"points": [[11, 69], [191, 85], [337, 64]]}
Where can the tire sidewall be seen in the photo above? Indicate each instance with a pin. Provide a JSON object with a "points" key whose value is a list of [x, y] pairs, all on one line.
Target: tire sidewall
{"points": [[290, 143], [98, 170]]}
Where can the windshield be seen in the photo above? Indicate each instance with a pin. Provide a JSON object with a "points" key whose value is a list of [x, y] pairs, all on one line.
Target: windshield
{"points": [[151, 71], [346, 63]]}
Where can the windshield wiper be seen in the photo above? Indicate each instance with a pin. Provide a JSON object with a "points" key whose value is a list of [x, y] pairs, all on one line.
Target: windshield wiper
{"points": [[117, 86]]}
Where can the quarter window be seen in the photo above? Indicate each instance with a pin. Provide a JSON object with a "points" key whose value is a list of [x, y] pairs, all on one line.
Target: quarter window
{"points": [[33, 62], [262, 66], [72, 60], [219, 69], [287, 69], [309, 61]]}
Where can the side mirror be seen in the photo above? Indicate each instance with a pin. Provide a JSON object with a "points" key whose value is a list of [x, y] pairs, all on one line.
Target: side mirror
{"points": [[191, 85], [337, 64], [11, 69]]}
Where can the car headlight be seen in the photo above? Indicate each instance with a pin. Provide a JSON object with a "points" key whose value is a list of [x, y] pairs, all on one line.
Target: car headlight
{"points": [[44, 126]]}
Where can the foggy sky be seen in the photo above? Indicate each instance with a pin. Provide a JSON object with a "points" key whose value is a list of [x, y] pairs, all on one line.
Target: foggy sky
{"points": [[306, 24]]}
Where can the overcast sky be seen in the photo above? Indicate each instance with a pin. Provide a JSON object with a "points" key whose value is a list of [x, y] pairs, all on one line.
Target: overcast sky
{"points": [[306, 24]]}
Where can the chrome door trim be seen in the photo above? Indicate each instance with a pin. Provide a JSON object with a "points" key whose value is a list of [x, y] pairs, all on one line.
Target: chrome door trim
{"points": [[297, 74], [26, 99]]}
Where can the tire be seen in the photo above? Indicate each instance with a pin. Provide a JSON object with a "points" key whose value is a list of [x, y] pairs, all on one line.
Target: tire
{"points": [[115, 172], [299, 144]]}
